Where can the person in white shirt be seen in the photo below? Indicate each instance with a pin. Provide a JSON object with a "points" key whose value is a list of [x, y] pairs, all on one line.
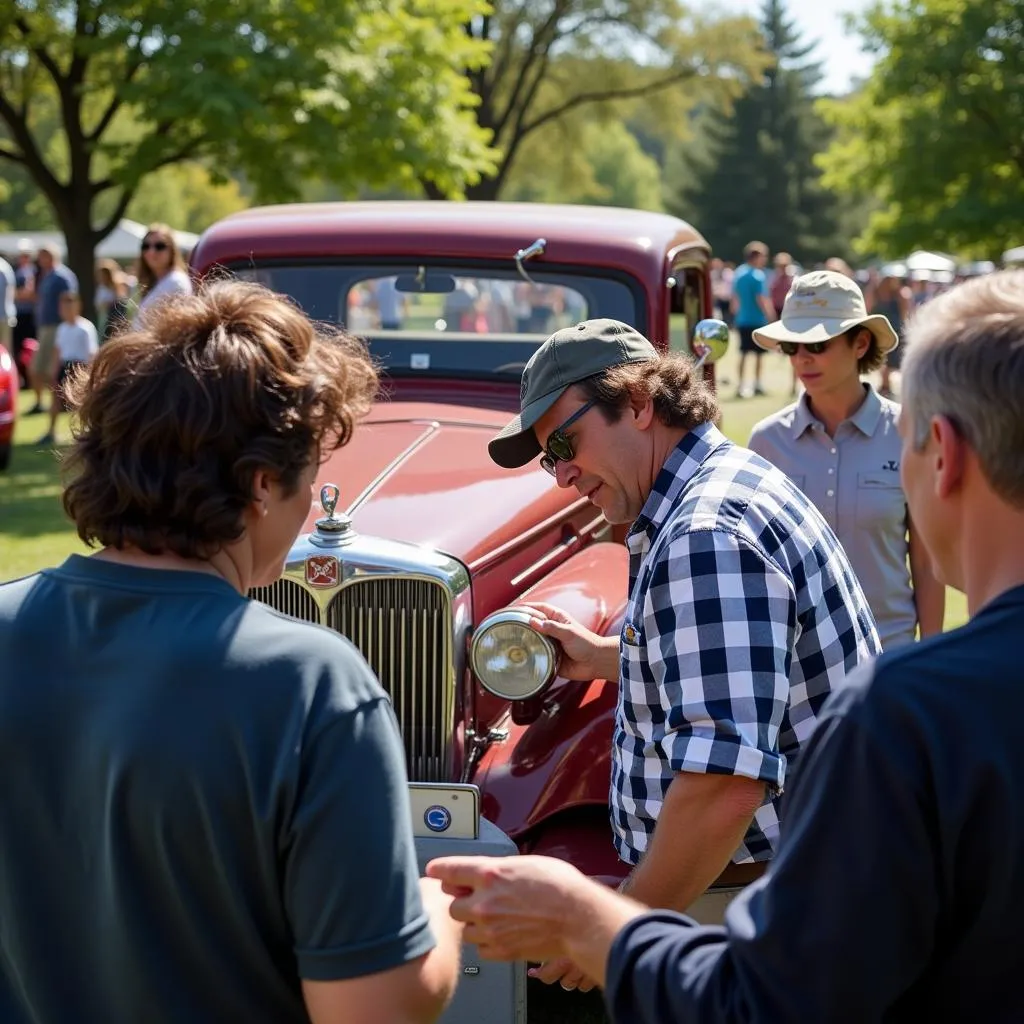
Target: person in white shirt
{"points": [[75, 345], [162, 270]]}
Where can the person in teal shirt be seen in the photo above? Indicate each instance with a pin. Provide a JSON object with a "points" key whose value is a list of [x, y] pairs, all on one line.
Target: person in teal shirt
{"points": [[752, 308]]}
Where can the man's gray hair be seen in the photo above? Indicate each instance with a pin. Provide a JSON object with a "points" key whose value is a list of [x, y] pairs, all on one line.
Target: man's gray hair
{"points": [[965, 361]]}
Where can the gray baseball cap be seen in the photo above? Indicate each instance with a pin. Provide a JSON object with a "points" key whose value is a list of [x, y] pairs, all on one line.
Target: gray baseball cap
{"points": [[569, 355]]}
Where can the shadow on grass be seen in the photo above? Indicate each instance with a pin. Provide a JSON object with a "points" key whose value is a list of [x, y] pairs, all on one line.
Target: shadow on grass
{"points": [[30, 493]]}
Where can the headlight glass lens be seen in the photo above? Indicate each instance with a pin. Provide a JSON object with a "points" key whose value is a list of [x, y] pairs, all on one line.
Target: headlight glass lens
{"points": [[512, 660]]}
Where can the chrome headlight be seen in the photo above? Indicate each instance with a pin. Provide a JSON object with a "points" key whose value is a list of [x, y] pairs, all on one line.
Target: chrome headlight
{"points": [[510, 658]]}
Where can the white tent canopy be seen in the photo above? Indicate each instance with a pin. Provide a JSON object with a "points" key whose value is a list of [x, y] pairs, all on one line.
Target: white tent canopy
{"points": [[122, 244], [932, 261], [930, 266]]}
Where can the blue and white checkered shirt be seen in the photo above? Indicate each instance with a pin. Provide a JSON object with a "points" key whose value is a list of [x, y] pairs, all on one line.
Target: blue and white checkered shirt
{"points": [[743, 615]]}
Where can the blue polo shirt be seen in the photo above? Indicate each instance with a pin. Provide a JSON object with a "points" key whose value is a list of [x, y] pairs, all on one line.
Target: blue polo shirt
{"points": [[748, 283], [50, 287], [898, 890]]}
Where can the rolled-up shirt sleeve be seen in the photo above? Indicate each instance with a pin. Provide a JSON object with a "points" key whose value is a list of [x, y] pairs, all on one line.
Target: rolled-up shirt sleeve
{"points": [[722, 617]]}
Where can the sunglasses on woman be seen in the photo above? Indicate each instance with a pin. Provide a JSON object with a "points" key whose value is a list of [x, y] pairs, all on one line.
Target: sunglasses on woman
{"points": [[790, 348], [155, 246], [560, 447]]}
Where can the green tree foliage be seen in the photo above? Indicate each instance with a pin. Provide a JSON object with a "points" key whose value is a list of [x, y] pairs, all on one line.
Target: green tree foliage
{"points": [[554, 58], [582, 161], [757, 176], [184, 193], [936, 134], [279, 89]]}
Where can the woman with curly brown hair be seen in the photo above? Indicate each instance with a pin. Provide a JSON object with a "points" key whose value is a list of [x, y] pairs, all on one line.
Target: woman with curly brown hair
{"points": [[181, 847]]}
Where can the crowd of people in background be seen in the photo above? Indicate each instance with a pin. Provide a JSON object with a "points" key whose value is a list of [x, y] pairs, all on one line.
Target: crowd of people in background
{"points": [[42, 324], [751, 295]]}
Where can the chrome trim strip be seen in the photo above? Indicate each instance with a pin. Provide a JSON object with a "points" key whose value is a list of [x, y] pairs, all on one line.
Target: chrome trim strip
{"points": [[523, 539], [401, 457]]}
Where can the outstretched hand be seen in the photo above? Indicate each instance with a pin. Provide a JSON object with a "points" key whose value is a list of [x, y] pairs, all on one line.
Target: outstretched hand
{"points": [[585, 654], [539, 909]]}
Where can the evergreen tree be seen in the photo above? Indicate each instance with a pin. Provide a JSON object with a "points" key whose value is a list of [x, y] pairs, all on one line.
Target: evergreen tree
{"points": [[758, 178]]}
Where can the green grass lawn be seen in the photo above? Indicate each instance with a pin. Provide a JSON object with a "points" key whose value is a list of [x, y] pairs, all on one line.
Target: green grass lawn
{"points": [[34, 532]]}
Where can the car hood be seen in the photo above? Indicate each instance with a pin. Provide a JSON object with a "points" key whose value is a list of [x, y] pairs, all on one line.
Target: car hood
{"points": [[420, 473]]}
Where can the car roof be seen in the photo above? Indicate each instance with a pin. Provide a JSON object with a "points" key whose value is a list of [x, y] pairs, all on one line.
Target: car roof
{"points": [[637, 240]]}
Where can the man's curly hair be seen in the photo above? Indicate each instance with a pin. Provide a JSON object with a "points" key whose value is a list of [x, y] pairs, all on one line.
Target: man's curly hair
{"points": [[175, 418], [672, 382]]}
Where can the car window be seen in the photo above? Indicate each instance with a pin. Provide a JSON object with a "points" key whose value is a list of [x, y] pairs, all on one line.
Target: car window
{"points": [[442, 319]]}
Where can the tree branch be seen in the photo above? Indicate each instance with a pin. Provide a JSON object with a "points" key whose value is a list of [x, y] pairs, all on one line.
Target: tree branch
{"points": [[116, 103], [39, 53], [121, 206], [541, 41], [79, 60], [189, 150], [601, 96], [30, 155], [1015, 152]]}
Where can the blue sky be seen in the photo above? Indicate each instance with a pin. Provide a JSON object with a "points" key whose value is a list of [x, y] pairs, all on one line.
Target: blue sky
{"points": [[821, 21]]}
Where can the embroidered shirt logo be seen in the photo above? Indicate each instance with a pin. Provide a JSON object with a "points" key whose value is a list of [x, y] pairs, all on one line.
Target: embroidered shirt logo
{"points": [[892, 464]]}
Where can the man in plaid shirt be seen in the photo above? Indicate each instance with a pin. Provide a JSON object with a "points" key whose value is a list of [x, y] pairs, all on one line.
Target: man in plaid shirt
{"points": [[743, 610]]}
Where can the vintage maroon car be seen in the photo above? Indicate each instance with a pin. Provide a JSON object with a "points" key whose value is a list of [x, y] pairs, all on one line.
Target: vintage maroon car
{"points": [[431, 545], [8, 405]]}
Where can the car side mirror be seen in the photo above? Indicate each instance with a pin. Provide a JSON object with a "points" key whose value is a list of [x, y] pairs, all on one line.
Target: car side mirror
{"points": [[710, 340]]}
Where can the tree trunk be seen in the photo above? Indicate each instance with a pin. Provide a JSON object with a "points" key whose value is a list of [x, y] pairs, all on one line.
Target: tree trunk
{"points": [[486, 190], [76, 224]]}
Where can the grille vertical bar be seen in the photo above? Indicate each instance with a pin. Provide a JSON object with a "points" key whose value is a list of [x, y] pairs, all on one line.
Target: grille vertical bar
{"points": [[403, 629], [289, 597]]}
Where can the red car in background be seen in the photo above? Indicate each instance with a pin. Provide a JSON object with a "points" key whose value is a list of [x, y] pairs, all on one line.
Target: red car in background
{"points": [[8, 405]]}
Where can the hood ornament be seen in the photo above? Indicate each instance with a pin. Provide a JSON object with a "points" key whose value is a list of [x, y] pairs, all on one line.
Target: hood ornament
{"points": [[335, 527]]}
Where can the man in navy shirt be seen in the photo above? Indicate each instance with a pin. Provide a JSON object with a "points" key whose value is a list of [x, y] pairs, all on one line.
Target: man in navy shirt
{"points": [[54, 280], [897, 892]]}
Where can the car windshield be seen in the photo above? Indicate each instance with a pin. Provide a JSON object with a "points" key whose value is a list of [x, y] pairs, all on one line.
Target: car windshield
{"points": [[446, 319]]}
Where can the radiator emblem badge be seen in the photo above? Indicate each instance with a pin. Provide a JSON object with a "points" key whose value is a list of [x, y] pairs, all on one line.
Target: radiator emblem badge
{"points": [[322, 571], [437, 818]]}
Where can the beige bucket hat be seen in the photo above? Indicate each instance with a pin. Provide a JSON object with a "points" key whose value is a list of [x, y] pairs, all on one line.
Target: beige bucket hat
{"points": [[822, 305]]}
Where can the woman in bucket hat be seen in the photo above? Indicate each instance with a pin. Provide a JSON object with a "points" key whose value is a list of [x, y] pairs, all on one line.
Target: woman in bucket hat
{"points": [[839, 443]]}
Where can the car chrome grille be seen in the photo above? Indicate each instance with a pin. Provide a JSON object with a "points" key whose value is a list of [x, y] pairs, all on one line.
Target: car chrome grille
{"points": [[289, 597], [403, 628]]}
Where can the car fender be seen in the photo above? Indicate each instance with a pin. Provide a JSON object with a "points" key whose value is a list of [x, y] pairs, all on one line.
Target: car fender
{"points": [[561, 758]]}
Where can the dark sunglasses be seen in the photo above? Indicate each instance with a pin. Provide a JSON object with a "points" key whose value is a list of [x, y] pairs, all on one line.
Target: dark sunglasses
{"points": [[790, 348], [559, 447], [155, 246]]}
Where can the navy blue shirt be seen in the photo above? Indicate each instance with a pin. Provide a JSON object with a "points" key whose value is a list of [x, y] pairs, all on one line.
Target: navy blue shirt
{"points": [[204, 801], [898, 890], [49, 288]]}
